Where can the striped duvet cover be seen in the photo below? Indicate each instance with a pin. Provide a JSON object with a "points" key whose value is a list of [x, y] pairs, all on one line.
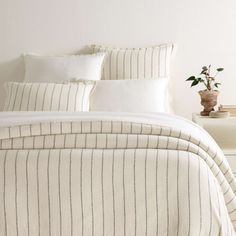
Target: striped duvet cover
{"points": [[112, 174]]}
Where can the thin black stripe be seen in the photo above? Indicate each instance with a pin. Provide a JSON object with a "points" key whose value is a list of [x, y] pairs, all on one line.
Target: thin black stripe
{"points": [[157, 158], [124, 64], [4, 191], [165, 50], [178, 201], [81, 191], [37, 170], [59, 103], [159, 62], [227, 221], [102, 185], [22, 95], [131, 59], [52, 95], [218, 199], [64, 145], [189, 202], [29, 97], [226, 191], [145, 176], [135, 203], [124, 193], [49, 198], [167, 191], [82, 101], [36, 97], [117, 63], [59, 192], [199, 191], [110, 64], [15, 96], [152, 62], [44, 94], [68, 97], [145, 61], [70, 186], [10, 97], [225, 171], [91, 175], [16, 194], [138, 63], [105, 65], [113, 193], [210, 202], [27, 191], [75, 102]]}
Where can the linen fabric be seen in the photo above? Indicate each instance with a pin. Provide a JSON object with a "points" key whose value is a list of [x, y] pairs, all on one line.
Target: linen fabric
{"points": [[58, 69], [136, 63], [116, 174], [48, 96], [130, 96]]}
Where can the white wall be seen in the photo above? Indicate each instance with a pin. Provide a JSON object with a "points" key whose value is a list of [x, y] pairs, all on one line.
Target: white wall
{"points": [[204, 30]]}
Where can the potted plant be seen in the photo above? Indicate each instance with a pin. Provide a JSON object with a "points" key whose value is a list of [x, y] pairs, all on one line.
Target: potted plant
{"points": [[210, 94]]}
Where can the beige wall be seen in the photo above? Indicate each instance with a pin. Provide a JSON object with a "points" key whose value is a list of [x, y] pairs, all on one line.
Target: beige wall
{"points": [[205, 31]]}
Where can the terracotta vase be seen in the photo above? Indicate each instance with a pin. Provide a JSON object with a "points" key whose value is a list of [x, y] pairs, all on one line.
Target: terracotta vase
{"points": [[208, 101]]}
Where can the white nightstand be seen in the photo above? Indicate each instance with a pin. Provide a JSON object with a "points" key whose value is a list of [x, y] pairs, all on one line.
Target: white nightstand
{"points": [[223, 130]]}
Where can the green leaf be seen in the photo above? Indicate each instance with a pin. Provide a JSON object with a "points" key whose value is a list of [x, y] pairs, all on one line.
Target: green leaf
{"points": [[204, 72], [191, 78], [220, 69], [217, 85], [195, 82]]}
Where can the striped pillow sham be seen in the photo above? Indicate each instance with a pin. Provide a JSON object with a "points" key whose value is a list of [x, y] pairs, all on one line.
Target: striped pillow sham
{"points": [[48, 96], [136, 63]]}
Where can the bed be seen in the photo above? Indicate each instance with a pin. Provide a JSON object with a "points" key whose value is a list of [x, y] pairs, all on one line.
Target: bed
{"points": [[108, 173]]}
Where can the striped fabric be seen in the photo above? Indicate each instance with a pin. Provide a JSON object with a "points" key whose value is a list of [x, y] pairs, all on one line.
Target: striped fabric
{"points": [[112, 178], [48, 96], [136, 63]]}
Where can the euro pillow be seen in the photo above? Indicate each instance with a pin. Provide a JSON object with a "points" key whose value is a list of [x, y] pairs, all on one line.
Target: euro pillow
{"points": [[58, 69], [130, 96], [48, 96], [136, 63]]}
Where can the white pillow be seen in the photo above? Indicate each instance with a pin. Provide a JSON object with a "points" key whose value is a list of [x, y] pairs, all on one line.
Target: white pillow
{"points": [[130, 96], [57, 69], [136, 63], [48, 96]]}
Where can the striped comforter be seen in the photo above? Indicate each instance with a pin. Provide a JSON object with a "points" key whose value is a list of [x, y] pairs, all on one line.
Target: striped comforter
{"points": [[112, 174]]}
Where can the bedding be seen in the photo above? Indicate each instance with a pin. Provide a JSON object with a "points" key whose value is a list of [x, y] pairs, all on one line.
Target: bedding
{"points": [[73, 173], [130, 96], [48, 96], [58, 69], [136, 63], [145, 63]]}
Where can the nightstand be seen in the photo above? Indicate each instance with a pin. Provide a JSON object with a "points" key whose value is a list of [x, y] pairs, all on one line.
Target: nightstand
{"points": [[223, 130]]}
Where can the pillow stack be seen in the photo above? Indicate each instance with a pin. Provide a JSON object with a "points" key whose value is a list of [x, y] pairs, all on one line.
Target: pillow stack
{"points": [[135, 79], [110, 79], [49, 83]]}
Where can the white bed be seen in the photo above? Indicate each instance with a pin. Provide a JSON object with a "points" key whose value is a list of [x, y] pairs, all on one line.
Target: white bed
{"points": [[112, 174], [69, 171]]}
